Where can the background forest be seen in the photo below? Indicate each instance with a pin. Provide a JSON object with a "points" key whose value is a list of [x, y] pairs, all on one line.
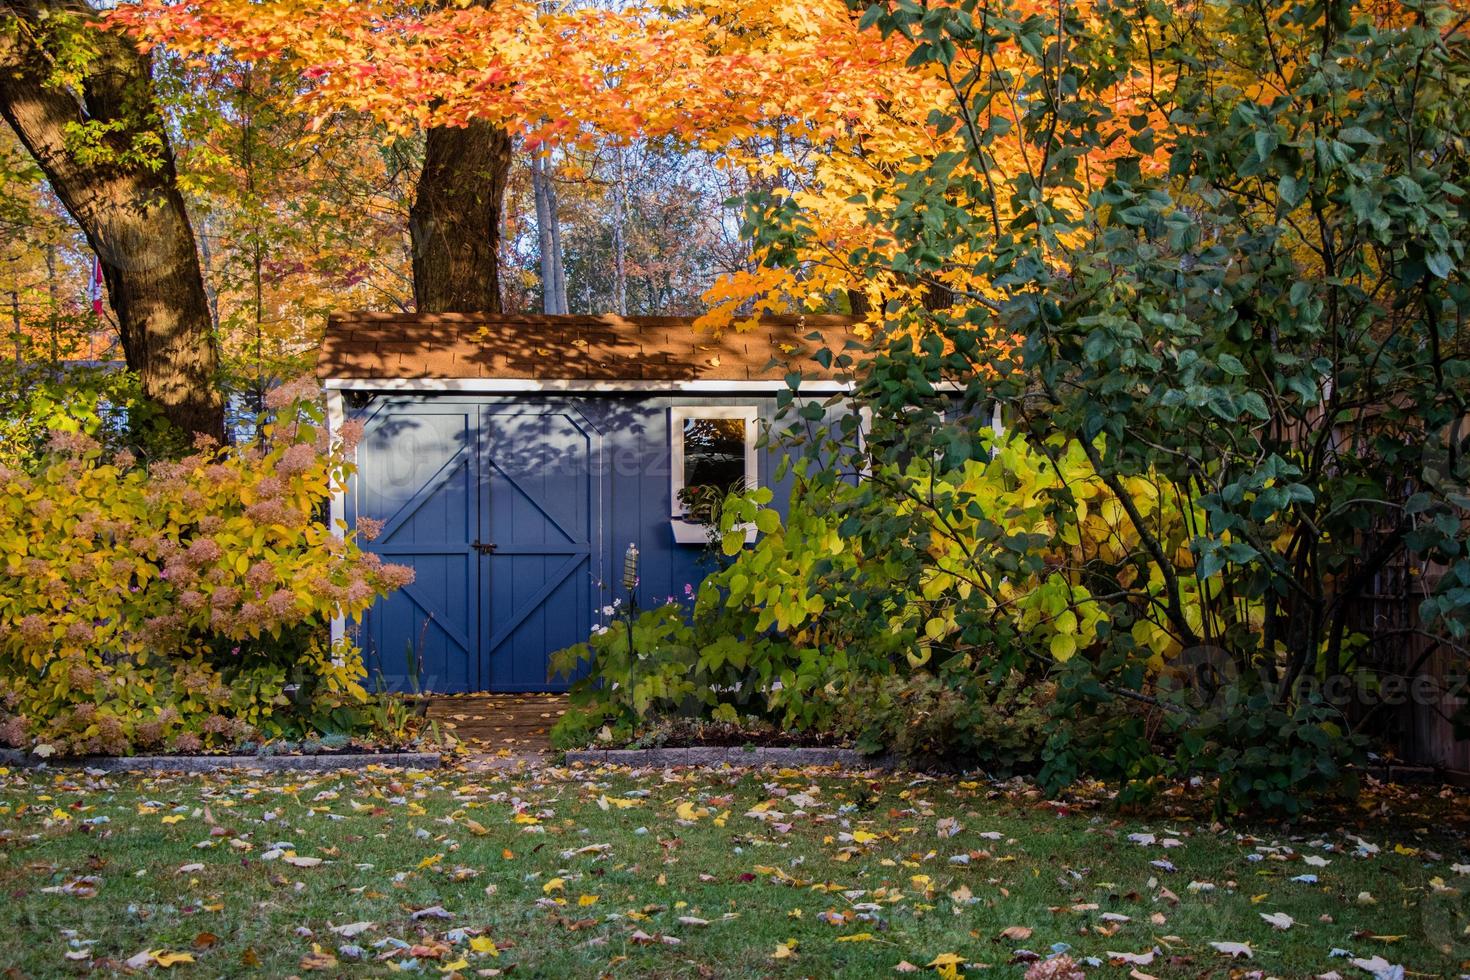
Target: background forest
{"points": [[293, 224]]}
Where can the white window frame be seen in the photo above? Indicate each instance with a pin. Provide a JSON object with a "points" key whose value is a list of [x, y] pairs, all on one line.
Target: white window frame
{"points": [[687, 531], [680, 414]]}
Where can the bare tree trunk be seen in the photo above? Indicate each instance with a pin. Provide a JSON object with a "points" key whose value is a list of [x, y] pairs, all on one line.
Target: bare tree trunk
{"points": [[558, 268], [53, 307], [548, 232], [206, 258], [131, 212], [20, 336], [619, 242]]}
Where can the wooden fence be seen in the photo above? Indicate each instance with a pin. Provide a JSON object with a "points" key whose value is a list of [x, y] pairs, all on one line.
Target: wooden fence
{"points": [[1422, 683]]}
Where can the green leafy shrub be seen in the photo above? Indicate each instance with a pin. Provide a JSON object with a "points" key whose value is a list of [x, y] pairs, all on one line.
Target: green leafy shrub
{"points": [[103, 404], [959, 720], [670, 667], [183, 604], [582, 725]]}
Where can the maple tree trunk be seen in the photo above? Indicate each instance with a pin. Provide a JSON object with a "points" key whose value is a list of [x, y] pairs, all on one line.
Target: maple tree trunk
{"points": [[128, 207], [455, 220]]}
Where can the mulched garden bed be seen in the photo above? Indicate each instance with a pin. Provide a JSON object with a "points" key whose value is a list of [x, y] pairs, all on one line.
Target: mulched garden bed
{"points": [[353, 758], [693, 733]]}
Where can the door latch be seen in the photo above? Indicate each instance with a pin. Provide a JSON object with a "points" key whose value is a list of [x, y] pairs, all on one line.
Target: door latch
{"points": [[484, 547]]}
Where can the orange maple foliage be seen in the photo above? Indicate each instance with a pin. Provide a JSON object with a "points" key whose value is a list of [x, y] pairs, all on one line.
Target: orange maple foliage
{"points": [[815, 110], [707, 67]]}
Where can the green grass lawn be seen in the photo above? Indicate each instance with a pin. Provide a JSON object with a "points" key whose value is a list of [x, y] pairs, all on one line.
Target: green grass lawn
{"points": [[700, 873]]}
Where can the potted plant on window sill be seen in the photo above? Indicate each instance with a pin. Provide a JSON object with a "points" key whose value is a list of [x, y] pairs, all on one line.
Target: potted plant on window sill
{"points": [[699, 520]]}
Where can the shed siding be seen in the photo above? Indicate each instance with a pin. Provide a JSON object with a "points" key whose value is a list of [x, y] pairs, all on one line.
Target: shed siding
{"points": [[635, 507]]}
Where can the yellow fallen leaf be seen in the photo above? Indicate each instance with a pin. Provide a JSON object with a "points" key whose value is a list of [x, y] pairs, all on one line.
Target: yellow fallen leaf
{"points": [[857, 937], [946, 959], [587, 900], [785, 951], [429, 862], [688, 811], [554, 885], [166, 959], [475, 827], [173, 818], [484, 944], [456, 966], [863, 837]]}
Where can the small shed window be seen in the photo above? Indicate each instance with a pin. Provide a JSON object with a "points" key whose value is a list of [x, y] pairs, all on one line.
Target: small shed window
{"points": [[713, 454]]}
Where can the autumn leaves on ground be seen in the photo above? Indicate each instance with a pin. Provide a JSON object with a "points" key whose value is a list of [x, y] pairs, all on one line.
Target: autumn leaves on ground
{"points": [[580, 872]]}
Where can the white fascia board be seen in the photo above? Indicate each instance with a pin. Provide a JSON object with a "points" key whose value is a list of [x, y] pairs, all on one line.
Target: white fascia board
{"points": [[526, 386]]}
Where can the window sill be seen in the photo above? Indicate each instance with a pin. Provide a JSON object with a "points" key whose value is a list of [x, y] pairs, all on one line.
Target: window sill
{"points": [[692, 532]]}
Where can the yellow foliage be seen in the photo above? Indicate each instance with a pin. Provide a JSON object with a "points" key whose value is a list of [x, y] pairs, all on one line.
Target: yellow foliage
{"points": [[173, 605]]}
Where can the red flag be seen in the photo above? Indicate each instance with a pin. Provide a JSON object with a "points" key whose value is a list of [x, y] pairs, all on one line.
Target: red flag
{"points": [[94, 288]]}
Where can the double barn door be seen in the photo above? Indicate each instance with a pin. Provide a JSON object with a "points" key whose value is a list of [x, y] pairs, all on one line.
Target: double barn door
{"points": [[498, 509]]}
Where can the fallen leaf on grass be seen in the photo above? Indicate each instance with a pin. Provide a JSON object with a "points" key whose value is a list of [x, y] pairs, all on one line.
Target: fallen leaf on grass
{"points": [[1016, 933], [1234, 949], [318, 959], [352, 929], [84, 887], [688, 811], [1380, 968], [297, 861], [1279, 920], [157, 957]]}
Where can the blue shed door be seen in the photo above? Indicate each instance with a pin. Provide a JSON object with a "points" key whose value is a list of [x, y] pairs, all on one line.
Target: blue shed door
{"points": [[541, 499], [497, 508]]}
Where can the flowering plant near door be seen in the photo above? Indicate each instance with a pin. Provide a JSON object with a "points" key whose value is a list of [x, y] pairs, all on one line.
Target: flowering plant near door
{"points": [[181, 605]]}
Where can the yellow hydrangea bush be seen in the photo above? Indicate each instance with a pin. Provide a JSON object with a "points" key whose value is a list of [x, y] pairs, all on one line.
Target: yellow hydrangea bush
{"points": [[184, 604]]}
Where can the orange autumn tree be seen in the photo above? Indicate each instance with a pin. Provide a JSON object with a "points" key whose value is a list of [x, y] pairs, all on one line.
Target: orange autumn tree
{"points": [[292, 222], [815, 108]]}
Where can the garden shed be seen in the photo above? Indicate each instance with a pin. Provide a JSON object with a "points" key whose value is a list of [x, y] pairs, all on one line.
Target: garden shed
{"points": [[511, 461]]}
